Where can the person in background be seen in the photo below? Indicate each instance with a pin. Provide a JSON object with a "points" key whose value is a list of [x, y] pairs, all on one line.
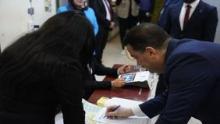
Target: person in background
{"points": [[80, 5], [127, 12], [104, 13], [192, 71], [191, 19], [42, 70], [199, 21], [163, 12], [145, 10]]}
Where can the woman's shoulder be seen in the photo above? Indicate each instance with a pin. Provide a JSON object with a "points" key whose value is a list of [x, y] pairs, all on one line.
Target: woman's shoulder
{"points": [[89, 9], [64, 8]]}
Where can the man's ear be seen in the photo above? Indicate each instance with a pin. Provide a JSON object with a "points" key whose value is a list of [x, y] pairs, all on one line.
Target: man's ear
{"points": [[150, 51]]}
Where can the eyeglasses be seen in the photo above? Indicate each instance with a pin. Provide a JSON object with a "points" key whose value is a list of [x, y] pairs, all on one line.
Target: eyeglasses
{"points": [[128, 55]]}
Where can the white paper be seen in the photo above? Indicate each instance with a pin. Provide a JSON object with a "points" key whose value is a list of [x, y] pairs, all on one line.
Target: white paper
{"points": [[122, 102], [142, 76], [100, 116], [89, 107]]}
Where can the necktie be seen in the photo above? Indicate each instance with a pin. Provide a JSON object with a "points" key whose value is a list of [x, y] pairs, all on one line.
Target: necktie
{"points": [[186, 18]]}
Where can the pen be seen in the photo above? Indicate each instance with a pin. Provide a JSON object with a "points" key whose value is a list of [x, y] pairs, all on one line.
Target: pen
{"points": [[113, 110], [116, 108], [140, 91]]}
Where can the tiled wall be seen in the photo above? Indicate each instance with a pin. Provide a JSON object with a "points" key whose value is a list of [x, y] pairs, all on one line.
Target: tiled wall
{"points": [[14, 19]]}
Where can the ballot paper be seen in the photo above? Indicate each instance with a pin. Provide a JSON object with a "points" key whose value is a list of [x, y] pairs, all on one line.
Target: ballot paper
{"points": [[100, 116]]}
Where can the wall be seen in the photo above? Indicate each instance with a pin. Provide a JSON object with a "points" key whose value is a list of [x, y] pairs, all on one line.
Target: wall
{"points": [[14, 19], [63, 2], [217, 4]]}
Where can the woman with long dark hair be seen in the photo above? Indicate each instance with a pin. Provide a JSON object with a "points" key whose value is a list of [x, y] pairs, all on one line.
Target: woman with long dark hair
{"points": [[43, 70]]}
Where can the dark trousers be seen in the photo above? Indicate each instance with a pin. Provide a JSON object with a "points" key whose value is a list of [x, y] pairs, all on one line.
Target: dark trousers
{"points": [[101, 41], [125, 25], [144, 16]]}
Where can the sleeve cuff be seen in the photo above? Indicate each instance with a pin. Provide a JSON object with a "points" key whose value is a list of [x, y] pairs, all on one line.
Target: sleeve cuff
{"points": [[137, 111]]}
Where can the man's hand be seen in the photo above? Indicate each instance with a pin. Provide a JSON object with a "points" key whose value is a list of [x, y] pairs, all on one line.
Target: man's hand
{"points": [[118, 83], [118, 111]]}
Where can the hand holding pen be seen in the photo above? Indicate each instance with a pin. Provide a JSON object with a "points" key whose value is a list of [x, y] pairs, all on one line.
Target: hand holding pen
{"points": [[118, 111]]}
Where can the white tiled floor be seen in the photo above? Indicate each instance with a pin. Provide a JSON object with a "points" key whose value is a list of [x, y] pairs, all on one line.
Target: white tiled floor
{"points": [[112, 54]]}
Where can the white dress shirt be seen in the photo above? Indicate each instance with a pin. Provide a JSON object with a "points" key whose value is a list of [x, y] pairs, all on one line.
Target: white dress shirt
{"points": [[183, 11], [137, 111], [107, 7]]}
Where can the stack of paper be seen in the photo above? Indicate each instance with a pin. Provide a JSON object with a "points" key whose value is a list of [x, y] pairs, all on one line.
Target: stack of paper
{"points": [[91, 111]]}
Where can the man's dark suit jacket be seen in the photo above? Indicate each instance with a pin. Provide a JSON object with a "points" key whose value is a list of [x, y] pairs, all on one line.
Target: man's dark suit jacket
{"points": [[201, 26], [192, 70]]}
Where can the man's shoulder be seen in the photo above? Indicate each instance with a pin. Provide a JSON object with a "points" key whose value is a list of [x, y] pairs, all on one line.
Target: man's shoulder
{"points": [[207, 5], [175, 5], [184, 47]]}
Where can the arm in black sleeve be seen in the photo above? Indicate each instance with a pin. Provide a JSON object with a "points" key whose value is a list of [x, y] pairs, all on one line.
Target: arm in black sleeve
{"points": [[69, 87], [190, 81], [93, 84], [211, 25], [99, 69]]}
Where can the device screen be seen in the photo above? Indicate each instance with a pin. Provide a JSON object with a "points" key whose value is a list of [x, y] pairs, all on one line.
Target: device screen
{"points": [[128, 77]]}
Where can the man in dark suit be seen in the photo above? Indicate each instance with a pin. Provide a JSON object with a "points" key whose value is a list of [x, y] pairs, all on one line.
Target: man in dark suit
{"points": [[191, 19], [104, 14], [192, 72], [188, 19]]}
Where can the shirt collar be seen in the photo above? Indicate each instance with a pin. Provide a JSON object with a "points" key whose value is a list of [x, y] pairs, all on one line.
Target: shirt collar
{"points": [[193, 4]]}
